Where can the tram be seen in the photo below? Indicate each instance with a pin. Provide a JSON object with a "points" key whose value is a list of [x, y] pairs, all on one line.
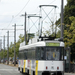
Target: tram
{"points": [[42, 58]]}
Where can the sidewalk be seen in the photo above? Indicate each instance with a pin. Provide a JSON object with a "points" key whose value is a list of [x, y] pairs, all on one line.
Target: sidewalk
{"points": [[69, 73], [11, 65]]}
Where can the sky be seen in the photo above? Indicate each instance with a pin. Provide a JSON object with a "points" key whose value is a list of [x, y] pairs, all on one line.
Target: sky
{"points": [[11, 11]]}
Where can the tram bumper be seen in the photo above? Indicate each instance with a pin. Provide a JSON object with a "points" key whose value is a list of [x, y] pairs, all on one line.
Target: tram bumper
{"points": [[50, 73]]}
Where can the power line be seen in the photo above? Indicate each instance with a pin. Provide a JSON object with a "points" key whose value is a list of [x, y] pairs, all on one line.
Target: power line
{"points": [[9, 23], [21, 11], [52, 2], [17, 14], [22, 8]]}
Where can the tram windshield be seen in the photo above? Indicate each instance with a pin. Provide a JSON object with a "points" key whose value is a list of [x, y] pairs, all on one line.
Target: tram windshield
{"points": [[54, 53], [49, 53]]}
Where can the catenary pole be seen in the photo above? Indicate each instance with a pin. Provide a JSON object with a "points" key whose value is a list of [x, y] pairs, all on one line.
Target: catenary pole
{"points": [[7, 47], [62, 19], [0, 48], [4, 50], [25, 29], [62, 23], [14, 45]]}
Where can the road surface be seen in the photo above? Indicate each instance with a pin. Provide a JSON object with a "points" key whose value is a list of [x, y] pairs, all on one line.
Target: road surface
{"points": [[8, 70]]}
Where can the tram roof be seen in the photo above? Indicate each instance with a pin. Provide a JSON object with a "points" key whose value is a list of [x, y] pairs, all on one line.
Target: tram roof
{"points": [[39, 44]]}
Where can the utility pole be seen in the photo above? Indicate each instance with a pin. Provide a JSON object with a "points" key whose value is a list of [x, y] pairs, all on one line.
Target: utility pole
{"points": [[14, 45], [4, 51], [25, 29], [8, 48], [0, 48], [62, 19]]}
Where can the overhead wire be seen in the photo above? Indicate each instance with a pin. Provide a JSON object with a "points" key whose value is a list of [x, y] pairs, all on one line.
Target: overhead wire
{"points": [[23, 8], [49, 3], [18, 13], [21, 11], [9, 22], [52, 2]]}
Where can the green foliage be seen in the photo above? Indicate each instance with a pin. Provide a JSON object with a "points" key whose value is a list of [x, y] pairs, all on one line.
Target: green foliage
{"points": [[69, 25], [69, 37], [69, 11], [11, 47], [1, 54], [69, 33]]}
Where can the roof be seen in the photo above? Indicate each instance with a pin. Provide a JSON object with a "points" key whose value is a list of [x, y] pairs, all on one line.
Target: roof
{"points": [[41, 43]]}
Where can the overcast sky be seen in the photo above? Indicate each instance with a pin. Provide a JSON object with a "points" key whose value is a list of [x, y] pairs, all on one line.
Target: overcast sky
{"points": [[10, 11]]}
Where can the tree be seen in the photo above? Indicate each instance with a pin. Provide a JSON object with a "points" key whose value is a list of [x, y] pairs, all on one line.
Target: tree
{"points": [[1, 54], [69, 35], [69, 11], [69, 14]]}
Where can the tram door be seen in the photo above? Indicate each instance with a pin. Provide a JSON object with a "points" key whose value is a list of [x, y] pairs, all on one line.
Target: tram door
{"points": [[67, 59]]}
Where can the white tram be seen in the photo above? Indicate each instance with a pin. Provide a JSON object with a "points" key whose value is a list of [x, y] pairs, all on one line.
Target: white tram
{"points": [[42, 58]]}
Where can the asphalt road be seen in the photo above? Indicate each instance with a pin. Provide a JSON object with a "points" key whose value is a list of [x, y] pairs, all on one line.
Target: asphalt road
{"points": [[8, 70]]}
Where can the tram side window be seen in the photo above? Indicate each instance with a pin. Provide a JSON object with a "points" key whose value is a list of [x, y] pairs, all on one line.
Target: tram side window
{"points": [[42, 53], [38, 54], [33, 54], [21, 55], [61, 54], [28, 54], [25, 54]]}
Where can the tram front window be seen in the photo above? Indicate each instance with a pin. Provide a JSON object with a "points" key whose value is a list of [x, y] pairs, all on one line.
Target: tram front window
{"points": [[54, 54]]}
